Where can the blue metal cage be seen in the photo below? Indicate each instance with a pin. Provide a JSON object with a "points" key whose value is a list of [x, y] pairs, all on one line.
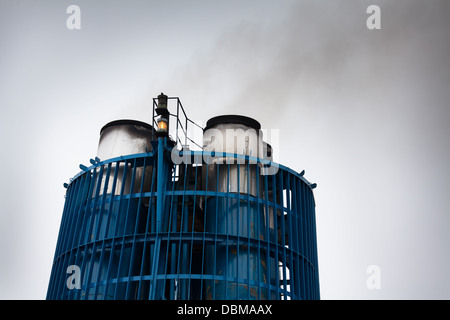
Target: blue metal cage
{"points": [[143, 227]]}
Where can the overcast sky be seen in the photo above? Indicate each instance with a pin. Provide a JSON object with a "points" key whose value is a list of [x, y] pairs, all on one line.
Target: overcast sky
{"points": [[364, 112]]}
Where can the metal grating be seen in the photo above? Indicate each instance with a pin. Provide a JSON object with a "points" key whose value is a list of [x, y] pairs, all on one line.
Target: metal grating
{"points": [[142, 227]]}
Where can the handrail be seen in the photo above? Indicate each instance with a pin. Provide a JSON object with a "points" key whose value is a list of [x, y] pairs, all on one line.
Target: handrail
{"points": [[205, 156]]}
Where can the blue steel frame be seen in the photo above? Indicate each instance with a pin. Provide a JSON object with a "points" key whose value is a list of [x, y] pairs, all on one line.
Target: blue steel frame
{"points": [[170, 236]]}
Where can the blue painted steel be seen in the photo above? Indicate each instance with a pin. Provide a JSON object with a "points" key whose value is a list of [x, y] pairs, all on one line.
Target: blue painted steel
{"points": [[142, 227]]}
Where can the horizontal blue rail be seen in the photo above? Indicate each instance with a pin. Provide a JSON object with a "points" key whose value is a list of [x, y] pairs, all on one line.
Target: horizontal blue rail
{"points": [[196, 158]]}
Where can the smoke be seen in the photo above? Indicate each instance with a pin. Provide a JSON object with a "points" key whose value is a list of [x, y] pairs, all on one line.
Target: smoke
{"points": [[365, 112], [320, 68]]}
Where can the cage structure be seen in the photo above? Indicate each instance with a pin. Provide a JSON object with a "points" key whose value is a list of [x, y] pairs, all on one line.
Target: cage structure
{"points": [[164, 223]]}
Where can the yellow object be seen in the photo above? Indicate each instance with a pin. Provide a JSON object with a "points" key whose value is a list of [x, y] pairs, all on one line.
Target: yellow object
{"points": [[162, 125]]}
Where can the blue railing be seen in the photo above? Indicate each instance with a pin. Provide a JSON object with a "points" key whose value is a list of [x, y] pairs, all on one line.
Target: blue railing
{"points": [[143, 227]]}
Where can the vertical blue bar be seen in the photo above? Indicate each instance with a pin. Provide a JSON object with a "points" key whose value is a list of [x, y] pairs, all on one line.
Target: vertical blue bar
{"points": [[283, 234], [112, 234], [159, 208], [227, 229], [160, 185]]}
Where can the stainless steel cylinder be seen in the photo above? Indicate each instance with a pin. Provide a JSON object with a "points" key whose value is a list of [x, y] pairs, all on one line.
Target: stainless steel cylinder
{"points": [[121, 138], [237, 135]]}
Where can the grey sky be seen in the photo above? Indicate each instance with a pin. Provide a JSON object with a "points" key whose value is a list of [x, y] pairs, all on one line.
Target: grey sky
{"points": [[364, 112]]}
